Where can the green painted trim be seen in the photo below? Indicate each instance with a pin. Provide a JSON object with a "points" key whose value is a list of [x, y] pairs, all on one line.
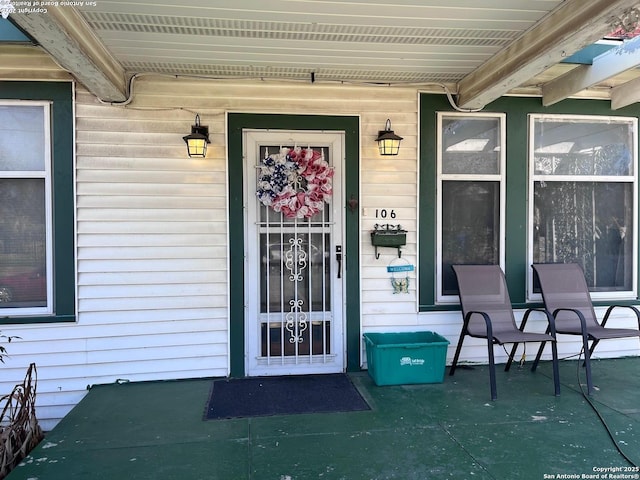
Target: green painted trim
{"points": [[517, 110], [429, 105], [61, 96], [236, 122], [26, 320]]}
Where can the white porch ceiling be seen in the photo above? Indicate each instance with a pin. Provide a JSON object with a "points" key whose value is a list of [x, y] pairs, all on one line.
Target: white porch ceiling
{"points": [[480, 49]]}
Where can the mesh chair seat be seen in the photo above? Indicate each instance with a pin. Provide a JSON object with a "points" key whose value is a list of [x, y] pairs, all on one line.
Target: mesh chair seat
{"points": [[598, 332], [502, 337]]}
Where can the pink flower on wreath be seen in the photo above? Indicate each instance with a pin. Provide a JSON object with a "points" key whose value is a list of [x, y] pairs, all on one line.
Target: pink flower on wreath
{"points": [[315, 195]]}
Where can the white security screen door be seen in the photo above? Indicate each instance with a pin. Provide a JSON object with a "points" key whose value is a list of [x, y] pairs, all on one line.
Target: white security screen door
{"points": [[293, 252]]}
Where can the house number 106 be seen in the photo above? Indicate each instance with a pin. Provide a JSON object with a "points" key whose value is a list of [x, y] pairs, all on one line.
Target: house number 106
{"points": [[384, 213]]}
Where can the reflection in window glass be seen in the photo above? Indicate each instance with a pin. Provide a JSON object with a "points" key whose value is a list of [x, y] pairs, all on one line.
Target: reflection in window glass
{"points": [[22, 243], [583, 187], [21, 135], [470, 227], [280, 253], [586, 223], [583, 147], [470, 145]]}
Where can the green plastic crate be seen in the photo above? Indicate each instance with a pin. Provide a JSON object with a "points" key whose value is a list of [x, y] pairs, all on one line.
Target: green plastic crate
{"points": [[406, 358]]}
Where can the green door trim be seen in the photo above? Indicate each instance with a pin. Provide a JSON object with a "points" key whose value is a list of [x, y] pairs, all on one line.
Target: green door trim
{"points": [[236, 123]]}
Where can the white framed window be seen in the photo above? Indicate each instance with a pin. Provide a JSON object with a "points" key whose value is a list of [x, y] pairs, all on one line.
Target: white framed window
{"points": [[26, 241], [583, 197], [471, 191]]}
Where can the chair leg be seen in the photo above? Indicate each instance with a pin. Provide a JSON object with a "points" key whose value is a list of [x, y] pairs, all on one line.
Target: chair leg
{"points": [[492, 371], [587, 361], [593, 347], [457, 354], [537, 359], [515, 345], [511, 355], [539, 354], [556, 371]]}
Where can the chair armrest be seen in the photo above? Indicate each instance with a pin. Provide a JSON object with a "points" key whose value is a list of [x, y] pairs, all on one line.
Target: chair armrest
{"points": [[583, 322], [610, 309], [550, 319], [487, 320]]}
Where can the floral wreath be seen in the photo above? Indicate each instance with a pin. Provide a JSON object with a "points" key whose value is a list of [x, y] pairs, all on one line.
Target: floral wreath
{"points": [[296, 182]]}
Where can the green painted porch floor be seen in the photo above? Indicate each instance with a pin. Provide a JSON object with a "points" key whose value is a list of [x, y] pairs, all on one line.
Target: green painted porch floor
{"points": [[452, 430]]}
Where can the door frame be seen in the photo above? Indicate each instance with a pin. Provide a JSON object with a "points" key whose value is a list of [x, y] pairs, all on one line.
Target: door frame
{"points": [[350, 125], [331, 142]]}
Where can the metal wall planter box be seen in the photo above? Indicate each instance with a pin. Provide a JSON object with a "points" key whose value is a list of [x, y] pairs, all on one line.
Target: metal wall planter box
{"points": [[390, 239], [388, 236]]}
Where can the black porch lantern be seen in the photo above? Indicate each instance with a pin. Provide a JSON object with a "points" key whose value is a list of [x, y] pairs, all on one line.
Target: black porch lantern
{"points": [[197, 140], [388, 142]]}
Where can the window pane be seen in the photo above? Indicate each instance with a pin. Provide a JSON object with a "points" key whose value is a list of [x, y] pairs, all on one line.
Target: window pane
{"points": [[21, 138], [470, 227], [587, 223], [470, 145], [583, 147], [22, 243]]}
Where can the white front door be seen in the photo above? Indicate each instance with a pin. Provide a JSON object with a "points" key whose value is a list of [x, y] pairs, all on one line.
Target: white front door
{"points": [[293, 252]]}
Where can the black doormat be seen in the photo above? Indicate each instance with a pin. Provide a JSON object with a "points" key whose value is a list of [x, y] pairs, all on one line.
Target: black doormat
{"points": [[261, 396]]}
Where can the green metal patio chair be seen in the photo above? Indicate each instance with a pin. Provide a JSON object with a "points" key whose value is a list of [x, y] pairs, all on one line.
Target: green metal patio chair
{"points": [[487, 313], [566, 297]]}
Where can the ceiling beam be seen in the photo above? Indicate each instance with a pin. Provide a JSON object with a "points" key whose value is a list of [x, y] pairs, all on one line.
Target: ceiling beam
{"points": [[625, 94], [607, 65], [64, 34], [570, 27]]}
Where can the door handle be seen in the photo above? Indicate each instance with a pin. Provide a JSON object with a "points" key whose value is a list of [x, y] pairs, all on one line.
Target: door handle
{"points": [[339, 259]]}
